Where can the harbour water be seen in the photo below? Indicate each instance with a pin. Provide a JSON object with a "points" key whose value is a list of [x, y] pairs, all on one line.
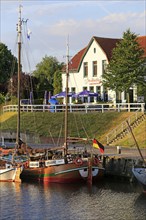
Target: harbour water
{"points": [[106, 201]]}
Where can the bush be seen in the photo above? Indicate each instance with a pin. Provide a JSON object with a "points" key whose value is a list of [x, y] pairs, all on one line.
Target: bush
{"points": [[2, 98]]}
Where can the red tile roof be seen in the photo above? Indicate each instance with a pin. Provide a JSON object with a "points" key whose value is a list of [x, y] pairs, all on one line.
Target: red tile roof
{"points": [[142, 42], [107, 45], [75, 61]]}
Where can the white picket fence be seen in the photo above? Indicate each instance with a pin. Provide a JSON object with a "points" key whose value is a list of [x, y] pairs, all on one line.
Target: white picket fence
{"points": [[87, 107]]}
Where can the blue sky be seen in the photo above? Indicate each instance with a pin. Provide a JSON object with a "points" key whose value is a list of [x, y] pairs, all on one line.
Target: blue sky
{"points": [[52, 21]]}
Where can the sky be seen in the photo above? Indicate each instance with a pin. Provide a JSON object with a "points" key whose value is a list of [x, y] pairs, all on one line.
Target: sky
{"points": [[51, 23]]}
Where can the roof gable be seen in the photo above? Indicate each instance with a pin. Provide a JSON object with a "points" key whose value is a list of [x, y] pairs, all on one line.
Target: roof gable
{"points": [[106, 44]]}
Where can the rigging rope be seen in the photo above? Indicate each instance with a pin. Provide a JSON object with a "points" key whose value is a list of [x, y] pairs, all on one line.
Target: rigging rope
{"points": [[76, 86], [76, 125], [83, 127], [52, 138], [59, 137]]}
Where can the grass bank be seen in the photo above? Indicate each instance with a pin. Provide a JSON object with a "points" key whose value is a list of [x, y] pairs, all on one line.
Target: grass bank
{"points": [[90, 125]]}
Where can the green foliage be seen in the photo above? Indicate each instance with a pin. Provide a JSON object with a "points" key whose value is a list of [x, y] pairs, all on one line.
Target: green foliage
{"points": [[2, 98], [46, 67], [45, 71], [13, 100], [57, 84], [141, 91], [8, 66], [127, 66], [26, 83]]}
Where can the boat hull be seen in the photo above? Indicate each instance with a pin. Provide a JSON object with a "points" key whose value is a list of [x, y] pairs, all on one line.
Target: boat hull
{"points": [[7, 175], [140, 175], [64, 173]]}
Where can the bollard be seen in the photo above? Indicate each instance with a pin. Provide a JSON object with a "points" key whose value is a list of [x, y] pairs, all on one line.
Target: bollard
{"points": [[118, 149]]}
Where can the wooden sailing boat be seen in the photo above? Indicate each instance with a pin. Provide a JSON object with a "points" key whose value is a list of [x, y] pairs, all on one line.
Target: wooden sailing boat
{"points": [[9, 171], [139, 172], [69, 168]]}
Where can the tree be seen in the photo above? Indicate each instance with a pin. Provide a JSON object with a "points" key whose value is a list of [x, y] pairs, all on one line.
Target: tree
{"points": [[45, 71], [127, 65], [8, 67], [141, 91], [25, 85], [57, 84], [2, 98]]}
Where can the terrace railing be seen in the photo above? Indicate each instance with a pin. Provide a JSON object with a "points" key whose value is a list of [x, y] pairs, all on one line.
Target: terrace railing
{"points": [[87, 107]]}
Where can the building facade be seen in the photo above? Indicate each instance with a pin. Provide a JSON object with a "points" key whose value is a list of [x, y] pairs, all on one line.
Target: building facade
{"points": [[87, 67]]}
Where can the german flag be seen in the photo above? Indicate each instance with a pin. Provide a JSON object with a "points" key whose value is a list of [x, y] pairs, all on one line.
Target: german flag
{"points": [[98, 145]]}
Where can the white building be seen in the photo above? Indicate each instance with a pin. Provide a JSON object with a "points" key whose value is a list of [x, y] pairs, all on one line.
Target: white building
{"points": [[87, 67]]}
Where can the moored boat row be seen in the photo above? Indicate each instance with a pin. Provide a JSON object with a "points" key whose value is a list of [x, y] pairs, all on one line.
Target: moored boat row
{"points": [[59, 170]]}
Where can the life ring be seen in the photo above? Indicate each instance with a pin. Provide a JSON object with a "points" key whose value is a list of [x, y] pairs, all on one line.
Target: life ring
{"points": [[96, 161], [78, 161], [26, 164]]}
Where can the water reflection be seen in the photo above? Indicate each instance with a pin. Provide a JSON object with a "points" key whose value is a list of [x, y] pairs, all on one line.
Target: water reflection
{"points": [[105, 200], [140, 206], [119, 186]]}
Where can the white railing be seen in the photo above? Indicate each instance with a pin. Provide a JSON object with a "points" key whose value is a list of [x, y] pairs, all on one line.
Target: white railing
{"points": [[117, 131], [87, 107]]}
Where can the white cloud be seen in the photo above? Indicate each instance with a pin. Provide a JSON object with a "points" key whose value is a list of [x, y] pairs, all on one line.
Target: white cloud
{"points": [[107, 25], [51, 22]]}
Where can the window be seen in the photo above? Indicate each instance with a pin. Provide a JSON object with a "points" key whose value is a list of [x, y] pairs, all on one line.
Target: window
{"points": [[73, 89], [85, 88], [104, 66], [91, 88], [94, 50], [94, 68], [85, 69]]}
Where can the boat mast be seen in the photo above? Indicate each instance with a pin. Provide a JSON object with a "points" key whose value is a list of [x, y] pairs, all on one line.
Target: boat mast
{"points": [[66, 98], [19, 73]]}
